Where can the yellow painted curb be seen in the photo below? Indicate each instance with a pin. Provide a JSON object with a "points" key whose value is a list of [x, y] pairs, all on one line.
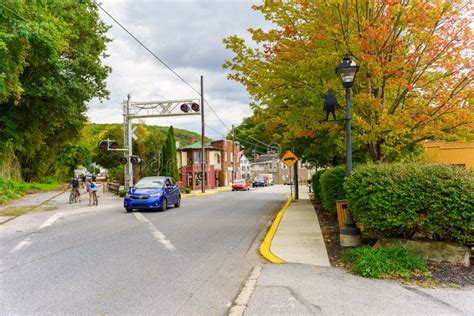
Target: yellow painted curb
{"points": [[267, 242]]}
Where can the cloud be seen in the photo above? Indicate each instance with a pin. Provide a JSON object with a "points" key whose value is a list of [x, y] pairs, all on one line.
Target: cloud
{"points": [[188, 36]]}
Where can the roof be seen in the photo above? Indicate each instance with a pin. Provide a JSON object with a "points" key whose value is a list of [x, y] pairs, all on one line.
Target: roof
{"points": [[196, 145], [266, 158]]}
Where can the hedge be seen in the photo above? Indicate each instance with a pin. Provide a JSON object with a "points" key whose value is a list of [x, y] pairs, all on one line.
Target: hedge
{"points": [[407, 199], [332, 189], [316, 185]]}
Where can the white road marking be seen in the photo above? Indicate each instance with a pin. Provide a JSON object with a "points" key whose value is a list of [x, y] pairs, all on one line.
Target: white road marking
{"points": [[50, 221], [159, 236], [22, 244]]}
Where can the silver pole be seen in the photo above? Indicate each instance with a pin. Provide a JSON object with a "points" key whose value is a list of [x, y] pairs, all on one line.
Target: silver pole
{"points": [[203, 151], [129, 142]]}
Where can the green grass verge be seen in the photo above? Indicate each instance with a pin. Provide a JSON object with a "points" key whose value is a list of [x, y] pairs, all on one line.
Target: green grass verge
{"points": [[20, 210], [10, 190], [384, 262]]}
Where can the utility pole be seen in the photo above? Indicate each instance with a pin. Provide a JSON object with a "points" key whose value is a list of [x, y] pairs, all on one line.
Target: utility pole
{"points": [[233, 153], [203, 151], [129, 143], [126, 141]]}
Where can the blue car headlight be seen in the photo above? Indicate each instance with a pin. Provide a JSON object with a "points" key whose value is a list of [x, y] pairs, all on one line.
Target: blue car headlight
{"points": [[127, 195], [156, 195]]}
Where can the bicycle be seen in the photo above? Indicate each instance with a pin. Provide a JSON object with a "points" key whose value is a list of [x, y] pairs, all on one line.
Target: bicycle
{"points": [[95, 201], [74, 196]]}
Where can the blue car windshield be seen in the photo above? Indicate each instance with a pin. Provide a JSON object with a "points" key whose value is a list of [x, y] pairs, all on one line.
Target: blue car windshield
{"points": [[149, 184]]}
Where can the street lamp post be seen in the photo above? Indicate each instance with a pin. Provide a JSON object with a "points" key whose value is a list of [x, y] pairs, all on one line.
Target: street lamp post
{"points": [[347, 70]]}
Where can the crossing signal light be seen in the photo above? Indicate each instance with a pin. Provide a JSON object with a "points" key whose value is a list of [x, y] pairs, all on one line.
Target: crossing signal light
{"points": [[103, 145], [108, 144], [195, 107], [113, 145], [123, 160], [184, 107], [135, 160]]}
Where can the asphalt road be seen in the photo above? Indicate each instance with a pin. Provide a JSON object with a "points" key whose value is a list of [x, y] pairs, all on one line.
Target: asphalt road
{"points": [[82, 259]]}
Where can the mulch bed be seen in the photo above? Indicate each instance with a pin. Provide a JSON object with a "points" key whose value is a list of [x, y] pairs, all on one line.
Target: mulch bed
{"points": [[443, 274]]}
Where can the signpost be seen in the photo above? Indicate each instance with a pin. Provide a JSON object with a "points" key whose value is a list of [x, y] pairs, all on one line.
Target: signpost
{"points": [[290, 159]]}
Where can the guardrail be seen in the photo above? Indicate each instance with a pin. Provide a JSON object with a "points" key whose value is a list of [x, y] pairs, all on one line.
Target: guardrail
{"points": [[113, 187]]}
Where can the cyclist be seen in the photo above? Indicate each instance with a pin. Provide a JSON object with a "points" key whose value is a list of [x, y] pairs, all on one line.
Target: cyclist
{"points": [[92, 189], [75, 188]]}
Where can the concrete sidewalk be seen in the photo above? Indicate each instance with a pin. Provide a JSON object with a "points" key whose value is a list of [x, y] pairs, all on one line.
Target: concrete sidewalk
{"points": [[307, 285], [298, 238]]}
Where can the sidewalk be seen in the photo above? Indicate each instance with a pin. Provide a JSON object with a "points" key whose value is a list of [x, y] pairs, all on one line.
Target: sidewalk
{"points": [[306, 284]]}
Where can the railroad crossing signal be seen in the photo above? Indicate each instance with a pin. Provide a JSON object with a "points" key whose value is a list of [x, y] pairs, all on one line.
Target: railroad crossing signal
{"points": [[289, 159], [108, 144]]}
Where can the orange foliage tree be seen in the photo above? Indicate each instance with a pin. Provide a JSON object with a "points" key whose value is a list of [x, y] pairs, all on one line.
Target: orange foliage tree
{"points": [[415, 80]]}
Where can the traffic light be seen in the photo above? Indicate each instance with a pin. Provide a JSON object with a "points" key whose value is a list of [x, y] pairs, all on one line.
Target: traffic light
{"points": [[123, 160], [108, 144]]}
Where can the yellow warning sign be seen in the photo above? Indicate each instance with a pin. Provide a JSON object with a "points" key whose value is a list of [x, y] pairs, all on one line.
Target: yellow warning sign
{"points": [[289, 159]]}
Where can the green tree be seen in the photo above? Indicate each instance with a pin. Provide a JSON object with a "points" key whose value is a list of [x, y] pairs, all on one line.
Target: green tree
{"points": [[415, 80], [169, 159], [50, 66]]}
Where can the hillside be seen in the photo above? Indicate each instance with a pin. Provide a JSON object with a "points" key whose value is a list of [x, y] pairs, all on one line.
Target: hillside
{"points": [[91, 130]]}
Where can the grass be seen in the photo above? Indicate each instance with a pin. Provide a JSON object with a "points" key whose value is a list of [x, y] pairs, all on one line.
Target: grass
{"points": [[20, 210], [384, 262], [10, 190]]}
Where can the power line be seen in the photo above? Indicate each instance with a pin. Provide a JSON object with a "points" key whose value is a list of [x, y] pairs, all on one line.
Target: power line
{"points": [[169, 68]]}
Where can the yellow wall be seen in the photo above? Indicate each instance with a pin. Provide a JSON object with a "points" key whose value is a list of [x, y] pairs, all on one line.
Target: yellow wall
{"points": [[450, 153]]}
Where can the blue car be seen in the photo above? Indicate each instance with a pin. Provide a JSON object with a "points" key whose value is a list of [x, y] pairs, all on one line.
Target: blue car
{"points": [[152, 193]]}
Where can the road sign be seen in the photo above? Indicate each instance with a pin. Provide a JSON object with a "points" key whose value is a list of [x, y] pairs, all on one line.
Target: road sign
{"points": [[289, 159]]}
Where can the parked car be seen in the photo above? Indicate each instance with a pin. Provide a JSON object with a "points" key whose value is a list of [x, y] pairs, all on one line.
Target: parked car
{"points": [[268, 178], [260, 181], [240, 185], [152, 193]]}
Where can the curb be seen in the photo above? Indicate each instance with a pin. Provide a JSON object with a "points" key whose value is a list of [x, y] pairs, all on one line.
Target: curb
{"points": [[267, 241]]}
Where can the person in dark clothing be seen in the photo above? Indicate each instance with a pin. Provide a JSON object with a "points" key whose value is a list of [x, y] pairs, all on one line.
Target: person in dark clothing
{"points": [[330, 104]]}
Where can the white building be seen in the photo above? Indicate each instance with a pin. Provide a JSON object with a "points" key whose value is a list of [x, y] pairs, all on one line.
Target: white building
{"points": [[244, 166]]}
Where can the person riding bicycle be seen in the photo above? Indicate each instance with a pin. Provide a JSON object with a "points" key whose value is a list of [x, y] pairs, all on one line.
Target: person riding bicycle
{"points": [[92, 189], [75, 186]]}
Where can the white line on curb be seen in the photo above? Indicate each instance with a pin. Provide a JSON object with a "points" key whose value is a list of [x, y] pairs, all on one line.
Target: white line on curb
{"points": [[50, 221], [244, 297], [159, 236], [22, 244]]}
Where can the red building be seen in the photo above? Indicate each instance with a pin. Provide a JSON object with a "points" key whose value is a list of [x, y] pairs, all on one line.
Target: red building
{"points": [[230, 160], [222, 164], [190, 166]]}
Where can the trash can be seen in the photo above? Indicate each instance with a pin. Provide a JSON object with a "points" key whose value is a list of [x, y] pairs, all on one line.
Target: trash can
{"points": [[341, 206]]}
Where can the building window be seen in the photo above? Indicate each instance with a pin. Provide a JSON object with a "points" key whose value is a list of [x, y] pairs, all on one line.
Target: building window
{"points": [[218, 158], [190, 179]]}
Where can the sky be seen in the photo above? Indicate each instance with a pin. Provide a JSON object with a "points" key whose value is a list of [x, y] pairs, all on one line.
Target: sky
{"points": [[188, 36]]}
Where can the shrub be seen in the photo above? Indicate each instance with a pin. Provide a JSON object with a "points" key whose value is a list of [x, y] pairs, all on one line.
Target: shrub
{"points": [[406, 199], [185, 190], [331, 187], [378, 262], [316, 184], [122, 192]]}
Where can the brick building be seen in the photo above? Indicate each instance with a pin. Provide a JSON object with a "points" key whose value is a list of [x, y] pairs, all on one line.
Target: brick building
{"points": [[230, 161]]}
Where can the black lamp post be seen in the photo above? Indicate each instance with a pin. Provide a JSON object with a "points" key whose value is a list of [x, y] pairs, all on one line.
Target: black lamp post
{"points": [[347, 70]]}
